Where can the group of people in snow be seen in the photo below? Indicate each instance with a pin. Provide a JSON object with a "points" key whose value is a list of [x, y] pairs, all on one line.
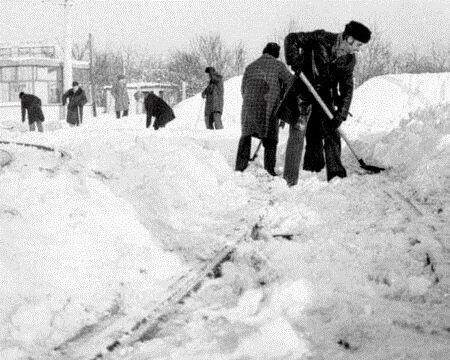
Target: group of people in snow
{"points": [[32, 104], [272, 96]]}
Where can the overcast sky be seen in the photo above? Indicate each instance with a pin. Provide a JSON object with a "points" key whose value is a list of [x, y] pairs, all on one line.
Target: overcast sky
{"points": [[161, 25]]}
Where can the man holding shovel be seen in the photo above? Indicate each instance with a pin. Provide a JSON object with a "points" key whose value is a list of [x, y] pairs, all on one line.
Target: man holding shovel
{"points": [[327, 60]]}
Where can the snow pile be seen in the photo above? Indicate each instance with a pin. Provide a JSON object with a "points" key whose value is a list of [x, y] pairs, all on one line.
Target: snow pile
{"points": [[70, 252], [349, 273], [85, 242], [382, 102]]}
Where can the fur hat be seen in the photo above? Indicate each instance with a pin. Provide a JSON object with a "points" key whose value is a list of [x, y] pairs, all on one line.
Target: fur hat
{"points": [[210, 70], [358, 31], [75, 83], [21, 94], [272, 49]]}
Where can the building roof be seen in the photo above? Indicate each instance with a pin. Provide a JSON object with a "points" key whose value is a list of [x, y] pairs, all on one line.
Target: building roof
{"points": [[40, 61], [144, 85]]}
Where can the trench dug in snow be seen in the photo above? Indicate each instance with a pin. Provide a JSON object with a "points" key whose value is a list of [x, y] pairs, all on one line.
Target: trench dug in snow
{"points": [[337, 270]]}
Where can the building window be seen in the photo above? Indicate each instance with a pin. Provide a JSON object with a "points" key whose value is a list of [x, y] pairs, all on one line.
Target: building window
{"points": [[39, 51], [4, 92], [54, 92], [41, 91], [5, 53], [46, 73], [16, 88], [24, 73], [9, 74]]}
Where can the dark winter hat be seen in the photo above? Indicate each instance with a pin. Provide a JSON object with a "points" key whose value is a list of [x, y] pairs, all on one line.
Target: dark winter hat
{"points": [[75, 83], [21, 94], [358, 31], [209, 70], [272, 49]]}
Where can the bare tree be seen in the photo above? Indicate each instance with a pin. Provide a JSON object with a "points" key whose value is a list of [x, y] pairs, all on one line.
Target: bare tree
{"points": [[374, 59]]}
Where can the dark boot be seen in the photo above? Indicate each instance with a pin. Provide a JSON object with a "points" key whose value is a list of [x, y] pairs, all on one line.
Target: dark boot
{"points": [[243, 153]]}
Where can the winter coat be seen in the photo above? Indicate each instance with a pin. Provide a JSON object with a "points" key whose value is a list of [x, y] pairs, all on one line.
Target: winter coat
{"points": [[157, 107], [34, 106], [261, 90], [329, 74], [120, 94], [214, 95], [75, 108]]}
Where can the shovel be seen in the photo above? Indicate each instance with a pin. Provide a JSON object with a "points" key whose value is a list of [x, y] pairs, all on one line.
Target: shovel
{"points": [[371, 168]]}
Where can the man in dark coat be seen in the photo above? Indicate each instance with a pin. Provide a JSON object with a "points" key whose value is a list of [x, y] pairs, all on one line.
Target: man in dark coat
{"points": [[157, 107], [327, 59], [261, 88], [214, 99], [33, 105], [77, 99]]}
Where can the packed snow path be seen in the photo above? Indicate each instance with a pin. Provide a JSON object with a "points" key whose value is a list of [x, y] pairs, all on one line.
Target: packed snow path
{"points": [[387, 291]]}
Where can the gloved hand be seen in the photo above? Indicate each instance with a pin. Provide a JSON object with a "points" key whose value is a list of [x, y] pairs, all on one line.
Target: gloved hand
{"points": [[297, 66], [337, 120]]}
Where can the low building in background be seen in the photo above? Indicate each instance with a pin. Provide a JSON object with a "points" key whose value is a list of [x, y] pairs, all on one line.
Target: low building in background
{"points": [[37, 68], [137, 92]]}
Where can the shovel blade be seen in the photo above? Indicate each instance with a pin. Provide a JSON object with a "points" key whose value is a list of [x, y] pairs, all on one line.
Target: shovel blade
{"points": [[371, 168]]}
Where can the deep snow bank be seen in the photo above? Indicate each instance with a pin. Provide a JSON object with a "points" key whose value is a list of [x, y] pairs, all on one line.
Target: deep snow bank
{"points": [[70, 251], [382, 102], [83, 241]]}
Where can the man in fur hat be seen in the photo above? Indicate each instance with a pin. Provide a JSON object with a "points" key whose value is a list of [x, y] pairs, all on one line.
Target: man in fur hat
{"points": [[77, 99], [327, 60]]}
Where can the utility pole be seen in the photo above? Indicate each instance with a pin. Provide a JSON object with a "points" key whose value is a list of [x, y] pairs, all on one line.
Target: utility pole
{"points": [[68, 41], [91, 75], [67, 64]]}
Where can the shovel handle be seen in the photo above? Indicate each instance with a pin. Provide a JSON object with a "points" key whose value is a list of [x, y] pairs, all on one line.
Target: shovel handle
{"points": [[327, 111]]}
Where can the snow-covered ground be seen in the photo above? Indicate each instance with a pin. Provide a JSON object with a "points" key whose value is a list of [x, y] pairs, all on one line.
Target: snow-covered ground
{"points": [[357, 268]]}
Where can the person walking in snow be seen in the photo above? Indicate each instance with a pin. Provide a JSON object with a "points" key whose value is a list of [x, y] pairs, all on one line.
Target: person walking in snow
{"points": [[261, 90], [120, 94], [157, 107], [214, 99], [77, 99], [327, 60], [33, 105]]}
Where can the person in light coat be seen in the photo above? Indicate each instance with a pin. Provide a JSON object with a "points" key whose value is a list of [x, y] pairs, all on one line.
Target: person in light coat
{"points": [[120, 95]]}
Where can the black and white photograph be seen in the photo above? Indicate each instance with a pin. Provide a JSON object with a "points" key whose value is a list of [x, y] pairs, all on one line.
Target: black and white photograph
{"points": [[224, 180]]}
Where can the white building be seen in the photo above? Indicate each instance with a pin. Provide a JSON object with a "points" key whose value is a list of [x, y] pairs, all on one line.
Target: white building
{"points": [[37, 68], [166, 91]]}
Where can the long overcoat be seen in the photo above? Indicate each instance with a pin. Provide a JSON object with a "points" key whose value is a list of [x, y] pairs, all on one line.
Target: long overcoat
{"points": [[33, 105], [157, 107], [214, 95], [120, 94], [330, 74], [75, 107], [261, 88]]}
